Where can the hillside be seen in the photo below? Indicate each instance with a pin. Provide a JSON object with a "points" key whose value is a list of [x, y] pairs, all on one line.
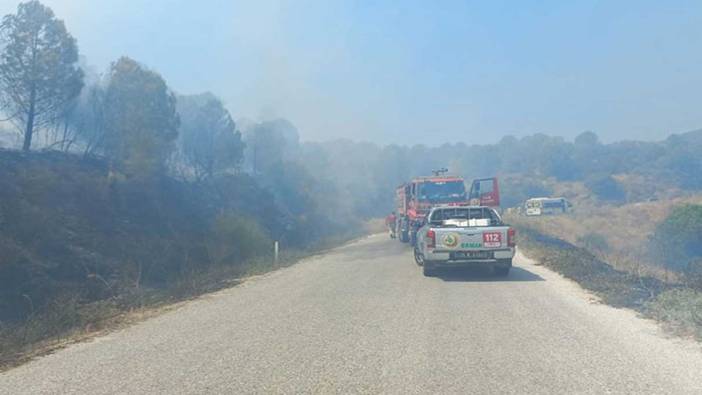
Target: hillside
{"points": [[68, 232]]}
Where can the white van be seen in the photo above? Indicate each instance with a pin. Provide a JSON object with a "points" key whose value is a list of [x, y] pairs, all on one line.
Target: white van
{"points": [[546, 206]]}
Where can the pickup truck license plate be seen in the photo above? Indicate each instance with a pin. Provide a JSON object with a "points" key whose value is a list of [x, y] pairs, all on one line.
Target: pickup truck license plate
{"points": [[472, 255]]}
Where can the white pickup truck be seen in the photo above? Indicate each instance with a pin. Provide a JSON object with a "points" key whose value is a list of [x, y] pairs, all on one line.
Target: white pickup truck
{"points": [[453, 236]]}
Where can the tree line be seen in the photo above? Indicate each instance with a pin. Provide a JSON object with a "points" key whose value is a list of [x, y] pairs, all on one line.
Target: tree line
{"points": [[367, 174], [130, 117]]}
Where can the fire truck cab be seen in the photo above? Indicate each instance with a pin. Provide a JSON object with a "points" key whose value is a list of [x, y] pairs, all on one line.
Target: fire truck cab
{"points": [[414, 199]]}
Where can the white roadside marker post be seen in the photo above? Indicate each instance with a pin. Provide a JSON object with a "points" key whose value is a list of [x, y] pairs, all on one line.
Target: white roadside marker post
{"points": [[275, 252]]}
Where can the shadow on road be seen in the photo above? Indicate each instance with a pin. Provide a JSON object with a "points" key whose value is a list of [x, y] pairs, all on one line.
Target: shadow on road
{"points": [[484, 274]]}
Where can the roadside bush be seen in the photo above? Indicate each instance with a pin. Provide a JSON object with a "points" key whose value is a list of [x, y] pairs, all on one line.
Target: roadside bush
{"points": [[677, 241], [693, 274], [606, 188], [236, 238], [680, 308]]}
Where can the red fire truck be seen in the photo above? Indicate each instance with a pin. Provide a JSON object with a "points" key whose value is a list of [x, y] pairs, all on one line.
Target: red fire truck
{"points": [[414, 199]]}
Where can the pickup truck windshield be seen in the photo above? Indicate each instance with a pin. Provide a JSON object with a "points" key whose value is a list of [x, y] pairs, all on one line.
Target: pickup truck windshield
{"points": [[442, 192], [473, 216]]}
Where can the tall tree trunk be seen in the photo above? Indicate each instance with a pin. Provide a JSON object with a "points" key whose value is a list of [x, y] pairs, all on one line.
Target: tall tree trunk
{"points": [[64, 139], [29, 131]]}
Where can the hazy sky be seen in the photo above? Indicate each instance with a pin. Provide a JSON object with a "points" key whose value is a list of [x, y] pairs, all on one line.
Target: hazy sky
{"points": [[417, 71]]}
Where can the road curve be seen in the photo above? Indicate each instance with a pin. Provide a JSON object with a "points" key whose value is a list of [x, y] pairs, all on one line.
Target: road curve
{"points": [[362, 319]]}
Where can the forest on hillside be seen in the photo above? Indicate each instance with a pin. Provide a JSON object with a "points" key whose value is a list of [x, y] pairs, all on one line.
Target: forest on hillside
{"points": [[613, 173]]}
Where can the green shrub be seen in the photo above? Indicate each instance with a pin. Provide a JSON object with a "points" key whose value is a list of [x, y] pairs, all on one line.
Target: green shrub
{"points": [[606, 188], [680, 308], [693, 274], [677, 241], [236, 238]]}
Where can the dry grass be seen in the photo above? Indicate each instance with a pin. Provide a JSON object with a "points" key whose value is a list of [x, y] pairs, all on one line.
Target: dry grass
{"points": [[680, 310], [71, 321], [605, 249], [626, 230], [615, 287], [96, 319], [675, 306]]}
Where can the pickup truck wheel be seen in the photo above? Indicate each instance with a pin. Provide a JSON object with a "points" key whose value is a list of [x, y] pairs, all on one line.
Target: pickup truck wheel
{"points": [[418, 257]]}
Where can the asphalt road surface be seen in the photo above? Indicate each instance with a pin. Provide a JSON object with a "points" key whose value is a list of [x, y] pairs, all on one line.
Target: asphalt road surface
{"points": [[363, 319]]}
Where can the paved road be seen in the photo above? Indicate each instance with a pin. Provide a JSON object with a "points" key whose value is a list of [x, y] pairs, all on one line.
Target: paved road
{"points": [[363, 319]]}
